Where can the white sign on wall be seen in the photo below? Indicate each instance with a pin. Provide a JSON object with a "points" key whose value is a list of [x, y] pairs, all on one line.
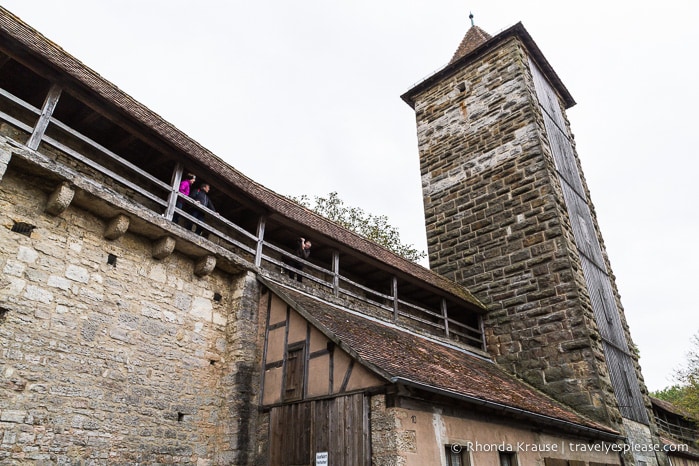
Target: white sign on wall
{"points": [[322, 458]]}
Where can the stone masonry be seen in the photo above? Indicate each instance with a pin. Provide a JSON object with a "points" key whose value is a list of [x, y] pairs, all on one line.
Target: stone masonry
{"points": [[385, 434], [496, 223], [107, 352]]}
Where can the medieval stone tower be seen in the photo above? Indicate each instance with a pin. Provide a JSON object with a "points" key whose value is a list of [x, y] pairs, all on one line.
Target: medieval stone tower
{"points": [[508, 215]]}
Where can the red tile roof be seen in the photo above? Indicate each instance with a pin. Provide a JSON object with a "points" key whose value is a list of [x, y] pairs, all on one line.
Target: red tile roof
{"points": [[403, 357], [667, 406], [675, 448], [475, 37]]}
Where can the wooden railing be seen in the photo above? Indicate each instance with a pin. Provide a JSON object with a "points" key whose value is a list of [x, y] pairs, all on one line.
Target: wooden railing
{"points": [[87, 155], [394, 308], [686, 433]]}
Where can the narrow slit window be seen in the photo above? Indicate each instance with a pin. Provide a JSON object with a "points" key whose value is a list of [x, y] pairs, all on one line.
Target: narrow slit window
{"points": [[23, 228]]}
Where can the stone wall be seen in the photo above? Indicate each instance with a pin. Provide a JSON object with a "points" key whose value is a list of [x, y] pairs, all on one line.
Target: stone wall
{"points": [[108, 355], [497, 224], [386, 433]]}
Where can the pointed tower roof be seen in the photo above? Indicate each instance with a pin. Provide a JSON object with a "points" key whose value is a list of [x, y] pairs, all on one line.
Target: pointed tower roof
{"points": [[477, 43], [474, 38]]}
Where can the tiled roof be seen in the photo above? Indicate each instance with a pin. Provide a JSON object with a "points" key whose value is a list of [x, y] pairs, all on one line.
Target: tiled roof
{"points": [[675, 448], [667, 406], [403, 357], [474, 37], [32, 41]]}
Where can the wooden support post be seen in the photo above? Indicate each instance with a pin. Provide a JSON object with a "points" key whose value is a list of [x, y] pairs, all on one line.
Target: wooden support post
{"points": [[174, 191], [45, 117], [336, 273], [445, 317], [394, 292], [260, 241]]}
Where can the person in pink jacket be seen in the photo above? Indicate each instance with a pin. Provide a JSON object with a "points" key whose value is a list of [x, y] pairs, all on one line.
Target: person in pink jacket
{"points": [[185, 189]]}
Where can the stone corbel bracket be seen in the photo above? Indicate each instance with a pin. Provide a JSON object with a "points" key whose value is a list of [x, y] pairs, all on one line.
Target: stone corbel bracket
{"points": [[117, 227], [205, 266], [60, 199], [163, 247]]}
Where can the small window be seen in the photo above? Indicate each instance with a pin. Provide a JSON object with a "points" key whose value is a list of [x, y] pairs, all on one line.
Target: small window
{"points": [[23, 228], [507, 458], [457, 455]]}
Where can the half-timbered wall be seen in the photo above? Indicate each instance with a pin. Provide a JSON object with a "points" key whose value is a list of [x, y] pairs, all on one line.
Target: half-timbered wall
{"points": [[302, 363], [313, 390]]}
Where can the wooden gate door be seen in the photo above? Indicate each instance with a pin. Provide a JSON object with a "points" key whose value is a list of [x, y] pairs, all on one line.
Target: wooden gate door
{"points": [[338, 426]]}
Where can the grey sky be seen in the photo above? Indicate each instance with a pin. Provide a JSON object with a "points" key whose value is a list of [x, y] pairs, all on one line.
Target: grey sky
{"points": [[303, 97]]}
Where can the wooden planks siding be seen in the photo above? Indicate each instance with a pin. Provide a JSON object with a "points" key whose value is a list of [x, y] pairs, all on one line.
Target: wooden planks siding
{"points": [[619, 358], [339, 426]]}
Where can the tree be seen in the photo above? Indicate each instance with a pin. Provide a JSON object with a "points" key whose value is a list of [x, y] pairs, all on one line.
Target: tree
{"points": [[372, 227], [685, 394], [688, 377], [672, 394]]}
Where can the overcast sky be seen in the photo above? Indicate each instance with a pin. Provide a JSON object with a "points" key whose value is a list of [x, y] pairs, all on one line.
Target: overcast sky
{"points": [[303, 97]]}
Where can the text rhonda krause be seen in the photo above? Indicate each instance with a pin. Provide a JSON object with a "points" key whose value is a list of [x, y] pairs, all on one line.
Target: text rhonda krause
{"points": [[564, 447]]}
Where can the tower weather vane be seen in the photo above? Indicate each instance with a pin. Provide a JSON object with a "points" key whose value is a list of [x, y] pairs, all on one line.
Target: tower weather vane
{"points": [[470, 16]]}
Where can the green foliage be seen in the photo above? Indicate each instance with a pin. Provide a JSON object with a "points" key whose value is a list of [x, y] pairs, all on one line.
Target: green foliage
{"points": [[672, 394], [685, 394], [688, 378], [372, 227]]}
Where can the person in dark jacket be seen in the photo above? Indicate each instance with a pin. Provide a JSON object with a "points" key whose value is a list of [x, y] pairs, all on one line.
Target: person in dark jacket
{"points": [[201, 195], [303, 250]]}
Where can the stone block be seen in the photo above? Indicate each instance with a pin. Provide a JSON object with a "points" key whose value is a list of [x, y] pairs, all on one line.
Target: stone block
{"points": [[12, 415], [77, 273]]}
